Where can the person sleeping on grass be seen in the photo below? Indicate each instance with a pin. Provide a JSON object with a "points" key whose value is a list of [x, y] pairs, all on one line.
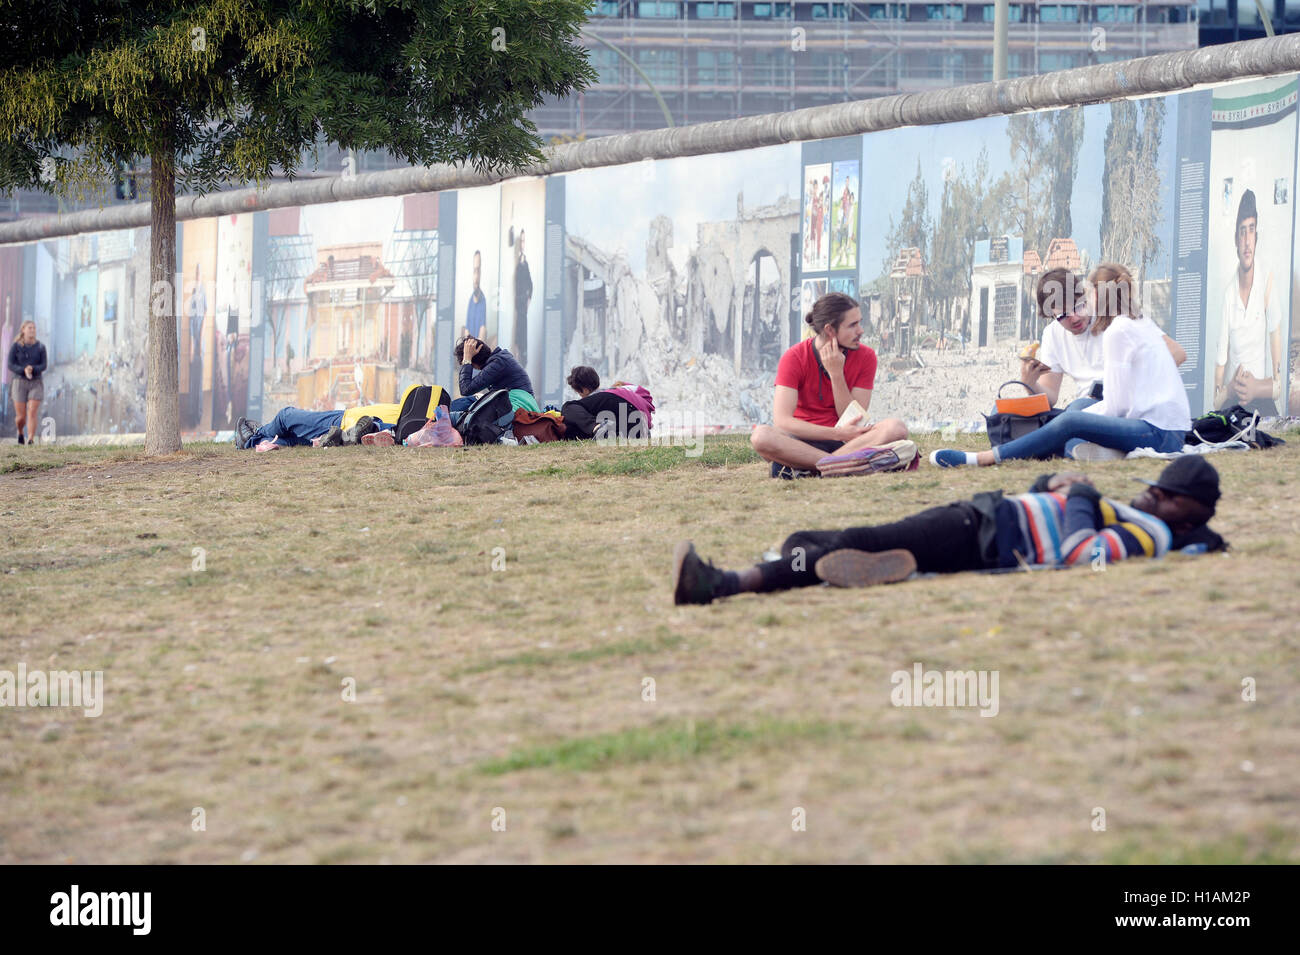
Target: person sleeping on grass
{"points": [[1063, 521]]}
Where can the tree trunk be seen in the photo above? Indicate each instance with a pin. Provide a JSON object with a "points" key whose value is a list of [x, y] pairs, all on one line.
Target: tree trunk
{"points": [[162, 421]]}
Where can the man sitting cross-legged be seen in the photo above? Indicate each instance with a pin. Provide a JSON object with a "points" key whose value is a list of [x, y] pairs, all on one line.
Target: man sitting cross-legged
{"points": [[1062, 521], [816, 381]]}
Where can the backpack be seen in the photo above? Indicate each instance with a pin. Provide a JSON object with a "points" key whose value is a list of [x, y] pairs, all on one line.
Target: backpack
{"points": [[487, 418], [893, 456], [543, 427], [419, 404], [1231, 424]]}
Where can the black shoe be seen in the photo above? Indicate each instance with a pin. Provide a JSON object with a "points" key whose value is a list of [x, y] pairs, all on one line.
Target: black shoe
{"points": [[365, 425], [694, 580], [333, 438], [244, 431], [787, 473], [20, 437]]}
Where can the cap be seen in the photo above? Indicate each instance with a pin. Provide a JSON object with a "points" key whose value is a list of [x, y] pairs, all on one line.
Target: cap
{"points": [[1246, 208], [1191, 475]]}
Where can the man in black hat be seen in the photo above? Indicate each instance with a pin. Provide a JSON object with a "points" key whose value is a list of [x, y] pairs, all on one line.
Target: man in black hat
{"points": [[1062, 521], [1248, 367]]}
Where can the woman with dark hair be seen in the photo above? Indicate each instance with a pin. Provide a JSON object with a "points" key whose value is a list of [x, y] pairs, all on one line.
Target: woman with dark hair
{"points": [[584, 380], [1143, 404], [816, 381]]}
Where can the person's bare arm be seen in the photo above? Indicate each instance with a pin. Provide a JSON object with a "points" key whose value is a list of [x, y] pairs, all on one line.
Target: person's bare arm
{"points": [[783, 418], [1220, 390], [1177, 350]]}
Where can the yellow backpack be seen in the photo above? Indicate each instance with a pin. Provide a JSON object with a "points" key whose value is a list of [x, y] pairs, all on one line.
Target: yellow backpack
{"points": [[392, 413]]}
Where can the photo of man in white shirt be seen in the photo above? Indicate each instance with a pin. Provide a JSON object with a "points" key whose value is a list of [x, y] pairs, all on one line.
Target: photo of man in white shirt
{"points": [[1247, 368]]}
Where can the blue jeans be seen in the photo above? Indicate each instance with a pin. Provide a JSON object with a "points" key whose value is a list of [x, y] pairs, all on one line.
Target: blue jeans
{"points": [[1078, 404], [1066, 430], [294, 426], [462, 404]]}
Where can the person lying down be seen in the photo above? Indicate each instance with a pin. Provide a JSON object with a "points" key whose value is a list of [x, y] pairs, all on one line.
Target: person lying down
{"points": [[1062, 521]]}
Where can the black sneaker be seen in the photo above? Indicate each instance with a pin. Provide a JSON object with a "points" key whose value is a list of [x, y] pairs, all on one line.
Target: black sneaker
{"points": [[244, 431], [787, 473], [20, 437], [333, 438], [694, 580], [365, 425]]}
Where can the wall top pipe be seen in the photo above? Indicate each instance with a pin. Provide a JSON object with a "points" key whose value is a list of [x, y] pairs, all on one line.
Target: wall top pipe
{"points": [[1164, 73]]}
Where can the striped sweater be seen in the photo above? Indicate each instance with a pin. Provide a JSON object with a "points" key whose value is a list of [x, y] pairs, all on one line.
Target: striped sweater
{"points": [[1054, 528]]}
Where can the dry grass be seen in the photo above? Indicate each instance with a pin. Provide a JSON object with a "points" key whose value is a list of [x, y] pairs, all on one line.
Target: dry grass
{"points": [[522, 688]]}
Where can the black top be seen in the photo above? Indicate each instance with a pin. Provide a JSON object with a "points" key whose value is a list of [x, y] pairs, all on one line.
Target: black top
{"points": [[21, 355]]}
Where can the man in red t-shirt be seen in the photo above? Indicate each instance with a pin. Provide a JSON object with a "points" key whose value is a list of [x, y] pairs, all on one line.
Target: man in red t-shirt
{"points": [[815, 381]]}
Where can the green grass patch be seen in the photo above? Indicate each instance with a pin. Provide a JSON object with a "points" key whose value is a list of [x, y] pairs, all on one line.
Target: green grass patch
{"points": [[531, 658], [661, 744], [1278, 849]]}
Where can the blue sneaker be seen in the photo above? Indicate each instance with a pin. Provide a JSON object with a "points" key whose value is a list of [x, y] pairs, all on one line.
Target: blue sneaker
{"points": [[948, 458]]}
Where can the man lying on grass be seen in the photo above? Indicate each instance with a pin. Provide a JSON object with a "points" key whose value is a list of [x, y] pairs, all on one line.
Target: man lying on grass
{"points": [[293, 427], [1062, 521]]}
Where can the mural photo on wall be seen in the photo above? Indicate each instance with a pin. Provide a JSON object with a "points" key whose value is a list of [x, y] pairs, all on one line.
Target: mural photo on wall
{"points": [[810, 291], [478, 224], [1249, 247], [233, 320], [816, 217], [844, 216], [522, 233]]}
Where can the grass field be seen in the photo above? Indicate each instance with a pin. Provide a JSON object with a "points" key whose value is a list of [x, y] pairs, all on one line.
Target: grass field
{"points": [[515, 694]]}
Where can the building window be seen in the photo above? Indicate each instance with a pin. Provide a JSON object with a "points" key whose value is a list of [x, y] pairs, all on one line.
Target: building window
{"points": [[715, 67], [1058, 14], [830, 11], [944, 11], [769, 68], [715, 11], [771, 11], [607, 63], [660, 65], [1015, 13], [1115, 14], [886, 11], [603, 8], [664, 9]]}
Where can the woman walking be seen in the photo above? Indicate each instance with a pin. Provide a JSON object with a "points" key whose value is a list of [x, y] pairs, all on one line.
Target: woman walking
{"points": [[27, 364]]}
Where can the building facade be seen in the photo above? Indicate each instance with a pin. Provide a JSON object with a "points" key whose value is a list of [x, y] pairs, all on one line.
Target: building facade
{"points": [[695, 61]]}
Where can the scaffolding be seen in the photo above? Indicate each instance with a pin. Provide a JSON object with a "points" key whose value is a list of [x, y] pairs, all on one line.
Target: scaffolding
{"points": [[709, 67]]}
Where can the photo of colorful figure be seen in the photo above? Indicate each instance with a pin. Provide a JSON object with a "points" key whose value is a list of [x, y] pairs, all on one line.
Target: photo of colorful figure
{"points": [[816, 217], [844, 216]]}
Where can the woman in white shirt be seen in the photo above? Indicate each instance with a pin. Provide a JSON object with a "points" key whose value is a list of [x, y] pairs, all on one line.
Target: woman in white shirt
{"points": [[1144, 403]]}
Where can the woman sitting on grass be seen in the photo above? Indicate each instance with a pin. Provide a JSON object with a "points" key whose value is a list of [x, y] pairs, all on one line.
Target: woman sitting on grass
{"points": [[1143, 405]]}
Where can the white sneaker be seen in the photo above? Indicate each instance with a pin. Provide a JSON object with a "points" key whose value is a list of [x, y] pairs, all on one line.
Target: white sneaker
{"points": [[1087, 451]]}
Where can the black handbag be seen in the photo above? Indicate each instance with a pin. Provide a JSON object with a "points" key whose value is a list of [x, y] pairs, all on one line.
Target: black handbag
{"points": [[1017, 417]]}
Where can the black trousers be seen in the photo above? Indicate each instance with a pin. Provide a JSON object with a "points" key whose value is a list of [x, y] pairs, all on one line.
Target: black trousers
{"points": [[944, 540]]}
